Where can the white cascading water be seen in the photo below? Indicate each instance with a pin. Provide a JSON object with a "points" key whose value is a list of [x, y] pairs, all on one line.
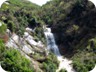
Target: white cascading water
{"points": [[51, 45]]}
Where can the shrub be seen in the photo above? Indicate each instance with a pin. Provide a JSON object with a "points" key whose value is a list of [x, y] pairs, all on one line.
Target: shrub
{"points": [[14, 62], [3, 28], [2, 49], [51, 64], [83, 65], [63, 70], [3, 34], [11, 26], [89, 64], [79, 67], [39, 33]]}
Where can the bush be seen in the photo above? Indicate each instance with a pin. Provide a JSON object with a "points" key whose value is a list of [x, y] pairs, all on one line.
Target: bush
{"points": [[11, 26], [51, 64], [79, 67], [63, 70], [89, 64], [3, 28], [2, 49], [39, 33], [84, 65], [13, 61]]}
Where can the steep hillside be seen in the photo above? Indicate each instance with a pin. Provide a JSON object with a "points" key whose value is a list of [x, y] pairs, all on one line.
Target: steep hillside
{"points": [[73, 24], [23, 45], [22, 41]]}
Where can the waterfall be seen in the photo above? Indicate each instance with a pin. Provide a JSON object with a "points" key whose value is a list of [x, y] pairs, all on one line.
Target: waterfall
{"points": [[51, 45]]}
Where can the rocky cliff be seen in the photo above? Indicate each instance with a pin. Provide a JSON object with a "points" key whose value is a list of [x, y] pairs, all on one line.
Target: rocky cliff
{"points": [[22, 42]]}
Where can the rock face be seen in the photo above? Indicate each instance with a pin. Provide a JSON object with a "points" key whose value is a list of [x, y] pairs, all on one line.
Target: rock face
{"points": [[77, 28], [26, 44], [28, 47]]}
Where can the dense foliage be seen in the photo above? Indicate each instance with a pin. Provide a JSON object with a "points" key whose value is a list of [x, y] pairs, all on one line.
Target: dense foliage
{"points": [[73, 23], [51, 64], [3, 28], [63, 70], [18, 15], [3, 34], [12, 60], [85, 60], [74, 26]]}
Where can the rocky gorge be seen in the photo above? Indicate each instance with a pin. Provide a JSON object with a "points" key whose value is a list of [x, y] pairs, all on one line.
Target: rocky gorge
{"points": [[69, 28]]}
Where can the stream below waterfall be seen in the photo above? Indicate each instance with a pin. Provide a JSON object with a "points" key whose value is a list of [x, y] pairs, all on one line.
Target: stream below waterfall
{"points": [[51, 45]]}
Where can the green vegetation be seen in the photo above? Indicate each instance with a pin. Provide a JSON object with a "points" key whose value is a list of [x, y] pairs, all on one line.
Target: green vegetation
{"points": [[73, 24], [2, 49], [72, 21], [11, 26], [40, 34], [83, 65], [51, 64], [63, 70], [13, 61], [19, 15], [3, 28], [84, 61]]}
